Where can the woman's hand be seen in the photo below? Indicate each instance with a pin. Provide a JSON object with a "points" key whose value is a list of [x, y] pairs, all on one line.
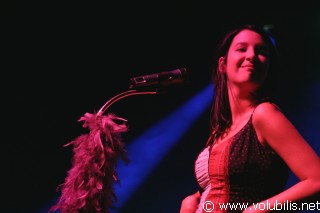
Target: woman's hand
{"points": [[190, 203]]}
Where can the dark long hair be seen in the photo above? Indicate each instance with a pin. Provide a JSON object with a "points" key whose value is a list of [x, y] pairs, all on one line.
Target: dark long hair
{"points": [[221, 118]]}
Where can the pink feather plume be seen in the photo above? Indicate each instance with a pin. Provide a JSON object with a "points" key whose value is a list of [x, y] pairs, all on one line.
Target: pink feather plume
{"points": [[88, 186]]}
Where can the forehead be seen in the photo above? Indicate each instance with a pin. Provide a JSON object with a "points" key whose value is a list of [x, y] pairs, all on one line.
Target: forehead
{"points": [[248, 37]]}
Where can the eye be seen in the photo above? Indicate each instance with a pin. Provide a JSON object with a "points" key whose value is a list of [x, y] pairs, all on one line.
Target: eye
{"points": [[241, 49]]}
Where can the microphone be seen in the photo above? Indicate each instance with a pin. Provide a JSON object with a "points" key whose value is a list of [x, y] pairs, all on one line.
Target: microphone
{"points": [[176, 76]]}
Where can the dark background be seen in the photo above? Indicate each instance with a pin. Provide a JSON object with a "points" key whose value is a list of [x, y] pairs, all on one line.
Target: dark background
{"points": [[64, 59]]}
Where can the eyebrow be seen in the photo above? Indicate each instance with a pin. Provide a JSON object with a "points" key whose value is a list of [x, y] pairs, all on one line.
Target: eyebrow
{"points": [[239, 43], [245, 43]]}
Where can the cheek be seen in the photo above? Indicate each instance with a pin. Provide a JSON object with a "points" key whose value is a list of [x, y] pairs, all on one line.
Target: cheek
{"points": [[234, 61], [263, 59]]}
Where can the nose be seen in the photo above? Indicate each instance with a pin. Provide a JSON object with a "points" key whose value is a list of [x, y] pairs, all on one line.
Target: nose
{"points": [[251, 54]]}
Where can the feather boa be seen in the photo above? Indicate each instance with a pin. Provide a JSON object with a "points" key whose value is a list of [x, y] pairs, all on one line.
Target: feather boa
{"points": [[88, 186]]}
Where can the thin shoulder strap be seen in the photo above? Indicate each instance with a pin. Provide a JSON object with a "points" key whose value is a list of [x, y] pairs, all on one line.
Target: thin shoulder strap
{"points": [[254, 110]]}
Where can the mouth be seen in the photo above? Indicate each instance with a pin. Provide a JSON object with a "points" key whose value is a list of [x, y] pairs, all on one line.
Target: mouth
{"points": [[248, 67]]}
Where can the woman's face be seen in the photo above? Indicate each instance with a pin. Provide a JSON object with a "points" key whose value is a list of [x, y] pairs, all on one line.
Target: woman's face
{"points": [[247, 60]]}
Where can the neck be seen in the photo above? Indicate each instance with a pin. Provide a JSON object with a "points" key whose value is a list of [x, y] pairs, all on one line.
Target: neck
{"points": [[241, 103]]}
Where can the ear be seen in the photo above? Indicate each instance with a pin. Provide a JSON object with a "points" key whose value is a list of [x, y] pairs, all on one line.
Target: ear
{"points": [[221, 65]]}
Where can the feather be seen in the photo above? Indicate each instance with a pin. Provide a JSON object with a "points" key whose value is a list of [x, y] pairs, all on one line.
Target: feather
{"points": [[88, 186]]}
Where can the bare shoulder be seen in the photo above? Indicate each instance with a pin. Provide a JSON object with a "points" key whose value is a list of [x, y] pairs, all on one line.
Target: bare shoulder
{"points": [[274, 129], [268, 120], [266, 111]]}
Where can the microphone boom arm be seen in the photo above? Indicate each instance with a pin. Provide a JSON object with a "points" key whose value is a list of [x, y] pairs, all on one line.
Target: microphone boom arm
{"points": [[121, 96]]}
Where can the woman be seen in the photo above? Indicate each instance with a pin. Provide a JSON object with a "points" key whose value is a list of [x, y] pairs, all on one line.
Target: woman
{"points": [[245, 163]]}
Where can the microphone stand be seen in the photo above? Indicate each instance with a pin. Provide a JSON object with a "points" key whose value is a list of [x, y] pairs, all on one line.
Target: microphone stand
{"points": [[88, 186]]}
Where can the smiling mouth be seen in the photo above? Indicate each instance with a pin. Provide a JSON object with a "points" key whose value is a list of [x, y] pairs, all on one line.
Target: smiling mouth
{"points": [[248, 67]]}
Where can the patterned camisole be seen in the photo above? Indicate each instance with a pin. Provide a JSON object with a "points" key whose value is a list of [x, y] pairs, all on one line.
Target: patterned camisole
{"points": [[240, 170]]}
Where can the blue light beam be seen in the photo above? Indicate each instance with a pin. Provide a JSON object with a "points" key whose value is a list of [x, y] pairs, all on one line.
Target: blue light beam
{"points": [[146, 151]]}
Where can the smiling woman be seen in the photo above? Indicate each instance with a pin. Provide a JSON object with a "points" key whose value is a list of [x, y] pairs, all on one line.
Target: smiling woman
{"points": [[251, 140]]}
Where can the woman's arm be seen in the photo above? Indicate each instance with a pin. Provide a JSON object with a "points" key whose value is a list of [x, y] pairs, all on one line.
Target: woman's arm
{"points": [[277, 131], [190, 203]]}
